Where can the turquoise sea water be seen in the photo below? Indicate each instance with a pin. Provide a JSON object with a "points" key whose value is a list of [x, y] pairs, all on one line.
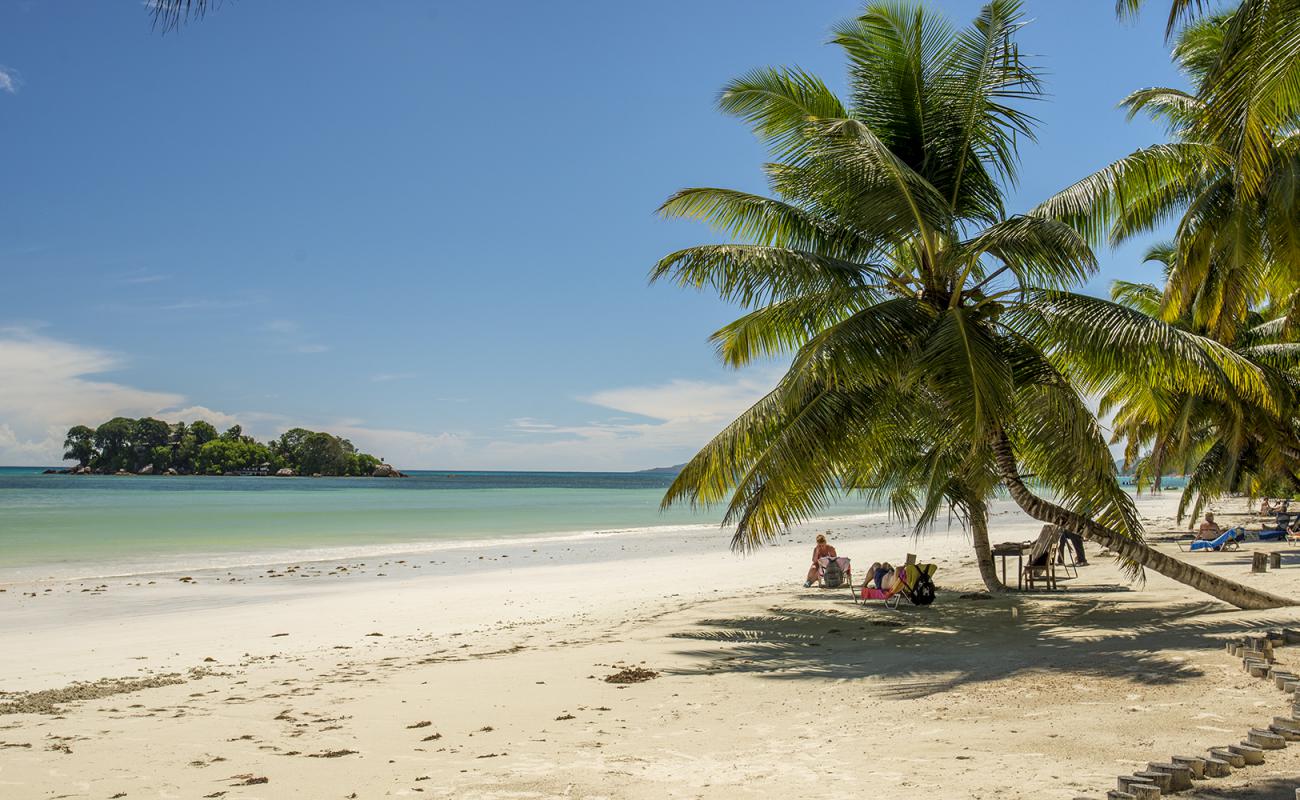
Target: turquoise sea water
{"points": [[102, 524]]}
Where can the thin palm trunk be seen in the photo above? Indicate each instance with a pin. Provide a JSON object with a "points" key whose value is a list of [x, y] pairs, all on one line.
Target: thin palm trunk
{"points": [[1231, 592], [979, 526]]}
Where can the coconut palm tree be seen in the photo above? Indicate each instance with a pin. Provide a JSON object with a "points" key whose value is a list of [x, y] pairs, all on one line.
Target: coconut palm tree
{"points": [[926, 327], [1231, 274], [1221, 440], [1179, 11], [171, 14], [1251, 85], [1236, 244]]}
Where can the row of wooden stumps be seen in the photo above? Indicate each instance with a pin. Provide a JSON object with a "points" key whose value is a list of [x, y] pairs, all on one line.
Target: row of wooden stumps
{"points": [[1178, 773], [1261, 561]]}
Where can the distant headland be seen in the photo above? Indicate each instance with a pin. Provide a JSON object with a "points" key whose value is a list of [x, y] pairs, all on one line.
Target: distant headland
{"points": [[673, 470], [149, 446]]}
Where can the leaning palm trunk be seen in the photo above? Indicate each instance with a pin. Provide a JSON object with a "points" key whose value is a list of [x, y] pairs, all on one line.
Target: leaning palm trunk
{"points": [[979, 526], [1231, 592]]}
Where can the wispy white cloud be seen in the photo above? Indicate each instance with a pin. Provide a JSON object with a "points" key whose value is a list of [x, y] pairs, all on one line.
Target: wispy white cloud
{"points": [[530, 425], [50, 385], [687, 401], [141, 276], [218, 419], [189, 304], [292, 338], [385, 377], [207, 305], [284, 327], [404, 448], [672, 420], [9, 80]]}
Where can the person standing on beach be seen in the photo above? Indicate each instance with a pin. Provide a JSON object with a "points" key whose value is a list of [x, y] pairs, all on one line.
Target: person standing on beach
{"points": [[822, 550], [1073, 540]]}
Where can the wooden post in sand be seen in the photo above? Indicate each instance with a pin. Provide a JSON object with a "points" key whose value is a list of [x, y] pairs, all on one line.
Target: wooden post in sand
{"points": [[1259, 561], [1139, 788], [1144, 791], [1275, 560], [1163, 780], [1195, 764], [1265, 740], [1180, 775], [1285, 727], [1234, 760], [1249, 752]]}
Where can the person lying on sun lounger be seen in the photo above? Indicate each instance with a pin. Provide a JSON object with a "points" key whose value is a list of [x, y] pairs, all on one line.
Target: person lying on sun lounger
{"points": [[883, 575]]}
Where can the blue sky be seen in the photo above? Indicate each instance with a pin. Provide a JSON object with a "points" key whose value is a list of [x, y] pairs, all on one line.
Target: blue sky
{"points": [[426, 225]]}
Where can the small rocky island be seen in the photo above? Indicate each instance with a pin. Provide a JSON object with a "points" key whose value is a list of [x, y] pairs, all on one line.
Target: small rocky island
{"points": [[149, 446]]}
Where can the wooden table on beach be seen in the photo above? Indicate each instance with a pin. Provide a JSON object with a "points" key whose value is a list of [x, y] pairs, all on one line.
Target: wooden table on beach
{"points": [[1004, 551]]}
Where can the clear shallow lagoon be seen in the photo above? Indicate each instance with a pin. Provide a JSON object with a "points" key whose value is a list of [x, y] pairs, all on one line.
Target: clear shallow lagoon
{"points": [[85, 525], [88, 525]]}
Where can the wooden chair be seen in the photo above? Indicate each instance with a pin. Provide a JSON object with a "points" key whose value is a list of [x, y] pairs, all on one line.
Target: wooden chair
{"points": [[1040, 563]]}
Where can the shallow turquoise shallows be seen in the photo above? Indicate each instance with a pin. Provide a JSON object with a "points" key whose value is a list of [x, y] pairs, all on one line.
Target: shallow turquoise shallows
{"points": [[101, 524], [51, 519]]}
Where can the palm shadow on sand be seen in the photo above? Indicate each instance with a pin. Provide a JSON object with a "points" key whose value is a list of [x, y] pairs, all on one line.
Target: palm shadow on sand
{"points": [[924, 651]]}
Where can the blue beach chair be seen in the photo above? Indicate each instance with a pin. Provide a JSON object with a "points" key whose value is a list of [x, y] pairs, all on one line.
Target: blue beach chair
{"points": [[1228, 540]]}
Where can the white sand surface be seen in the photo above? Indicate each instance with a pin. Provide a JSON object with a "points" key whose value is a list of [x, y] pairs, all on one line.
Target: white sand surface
{"points": [[764, 689]]}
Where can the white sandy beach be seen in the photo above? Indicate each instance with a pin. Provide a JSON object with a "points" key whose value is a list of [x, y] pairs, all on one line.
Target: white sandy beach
{"points": [[486, 680]]}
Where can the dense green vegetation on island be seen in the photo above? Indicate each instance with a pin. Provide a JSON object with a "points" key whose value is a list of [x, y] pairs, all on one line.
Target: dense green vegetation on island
{"points": [[152, 445]]}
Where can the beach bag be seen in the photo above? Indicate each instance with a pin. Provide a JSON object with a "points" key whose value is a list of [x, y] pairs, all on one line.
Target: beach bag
{"points": [[833, 575], [922, 593]]}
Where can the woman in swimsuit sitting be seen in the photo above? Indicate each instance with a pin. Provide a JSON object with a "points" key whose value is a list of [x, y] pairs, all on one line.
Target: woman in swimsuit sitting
{"points": [[822, 550]]}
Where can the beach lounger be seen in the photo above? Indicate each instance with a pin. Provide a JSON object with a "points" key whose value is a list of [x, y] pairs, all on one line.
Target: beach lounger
{"points": [[1228, 540], [915, 582]]}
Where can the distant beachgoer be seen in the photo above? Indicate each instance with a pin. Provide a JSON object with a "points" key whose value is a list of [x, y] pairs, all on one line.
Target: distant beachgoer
{"points": [[1266, 506], [822, 550]]}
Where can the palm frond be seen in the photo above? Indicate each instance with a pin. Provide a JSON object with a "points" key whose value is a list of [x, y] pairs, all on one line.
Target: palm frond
{"points": [[171, 14]]}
